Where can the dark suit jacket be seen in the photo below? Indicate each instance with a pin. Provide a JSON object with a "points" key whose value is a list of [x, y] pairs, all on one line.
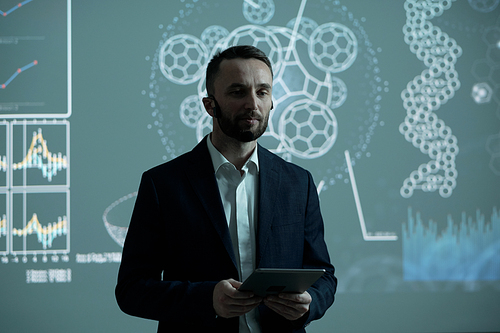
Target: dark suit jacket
{"points": [[178, 245]]}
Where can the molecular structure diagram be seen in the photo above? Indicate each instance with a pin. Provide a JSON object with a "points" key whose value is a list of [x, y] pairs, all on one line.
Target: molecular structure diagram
{"points": [[425, 94], [305, 56], [487, 70]]}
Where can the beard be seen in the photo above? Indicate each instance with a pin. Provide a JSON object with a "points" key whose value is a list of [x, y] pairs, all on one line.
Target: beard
{"points": [[242, 133]]}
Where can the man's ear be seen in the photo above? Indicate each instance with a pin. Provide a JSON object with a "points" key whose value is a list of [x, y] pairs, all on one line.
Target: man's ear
{"points": [[209, 105]]}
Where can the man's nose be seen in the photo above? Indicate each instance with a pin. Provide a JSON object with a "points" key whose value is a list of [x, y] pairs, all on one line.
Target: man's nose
{"points": [[251, 102]]}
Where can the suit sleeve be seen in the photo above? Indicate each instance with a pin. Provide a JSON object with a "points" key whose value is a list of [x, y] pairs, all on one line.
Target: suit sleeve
{"points": [[140, 290], [316, 256], [299, 244]]}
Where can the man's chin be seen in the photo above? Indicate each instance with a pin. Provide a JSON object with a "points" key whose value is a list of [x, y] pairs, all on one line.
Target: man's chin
{"points": [[246, 136]]}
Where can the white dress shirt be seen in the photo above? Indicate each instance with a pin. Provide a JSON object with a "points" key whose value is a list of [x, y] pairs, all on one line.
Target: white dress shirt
{"points": [[238, 191]]}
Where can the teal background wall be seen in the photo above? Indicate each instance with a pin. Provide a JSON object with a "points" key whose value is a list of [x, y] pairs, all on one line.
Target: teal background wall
{"points": [[408, 169]]}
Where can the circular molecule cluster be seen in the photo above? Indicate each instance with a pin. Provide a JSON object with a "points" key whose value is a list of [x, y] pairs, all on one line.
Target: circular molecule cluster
{"points": [[302, 71], [310, 128], [333, 46], [425, 94], [211, 35], [258, 11], [303, 124], [182, 58]]}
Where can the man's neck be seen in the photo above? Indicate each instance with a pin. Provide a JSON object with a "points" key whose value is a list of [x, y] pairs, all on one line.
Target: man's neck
{"points": [[235, 151]]}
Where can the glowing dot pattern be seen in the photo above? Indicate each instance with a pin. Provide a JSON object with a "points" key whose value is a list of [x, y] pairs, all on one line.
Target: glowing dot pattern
{"points": [[425, 94]]}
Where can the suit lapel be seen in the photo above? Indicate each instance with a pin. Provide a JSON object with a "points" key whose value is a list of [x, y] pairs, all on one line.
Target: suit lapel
{"points": [[269, 182], [200, 173]]}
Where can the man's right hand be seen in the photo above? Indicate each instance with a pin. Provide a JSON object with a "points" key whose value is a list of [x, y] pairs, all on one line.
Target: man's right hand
{"points": [[229, 302]]}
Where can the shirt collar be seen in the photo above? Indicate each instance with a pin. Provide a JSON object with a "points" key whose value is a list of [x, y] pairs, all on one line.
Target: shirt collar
{"points": [[218, 159]]}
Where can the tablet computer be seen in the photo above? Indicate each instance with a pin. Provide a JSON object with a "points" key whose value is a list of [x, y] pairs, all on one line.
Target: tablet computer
{"points": [[267, 281]]}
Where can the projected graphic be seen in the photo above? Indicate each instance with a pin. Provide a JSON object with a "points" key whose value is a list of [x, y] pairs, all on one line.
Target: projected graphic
{"points": [[484, 70], [117, 216], [3, 225], [367, 236], [35, 85], [45, 234], [303, 125], [328, 117], [311, 62], [38, 228], [17, 72], [425, 94], [465, 252], [36, 198], [35, 74], [19, 5], [40, 153], [258, 11]]}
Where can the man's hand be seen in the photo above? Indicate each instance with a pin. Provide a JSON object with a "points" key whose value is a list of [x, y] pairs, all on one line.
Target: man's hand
{"points": [[290, 306], [229, 302]]}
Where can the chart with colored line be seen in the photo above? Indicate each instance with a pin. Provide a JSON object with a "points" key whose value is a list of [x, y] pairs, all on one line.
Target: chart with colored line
{"points": [[40, 153], [35, 70], [34, 193], [19, 5], [38, 228], [17, 72]]}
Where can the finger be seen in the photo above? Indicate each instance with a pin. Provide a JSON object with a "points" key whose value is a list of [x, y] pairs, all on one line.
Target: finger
{"points": [[287, 312], [236, 311], [231, 290], [304, 298], [236, 307]]}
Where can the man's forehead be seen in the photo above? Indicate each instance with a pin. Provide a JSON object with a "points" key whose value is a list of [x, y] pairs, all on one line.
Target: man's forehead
{"points": [[240, 68]]}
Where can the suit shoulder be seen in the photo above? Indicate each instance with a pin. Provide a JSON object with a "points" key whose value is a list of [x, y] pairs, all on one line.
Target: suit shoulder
{"points": [[283, 164]]}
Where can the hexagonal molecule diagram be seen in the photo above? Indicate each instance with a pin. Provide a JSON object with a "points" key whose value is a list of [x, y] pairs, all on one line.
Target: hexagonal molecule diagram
{"points": [[303, 123], [333, 47], [258, 11], [182, 59], [309, 128]]}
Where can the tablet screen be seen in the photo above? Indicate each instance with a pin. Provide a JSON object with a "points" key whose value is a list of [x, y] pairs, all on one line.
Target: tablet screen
{"points": [[266, 281]]}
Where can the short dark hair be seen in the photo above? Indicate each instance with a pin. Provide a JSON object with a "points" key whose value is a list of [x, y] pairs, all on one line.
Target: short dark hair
{"points": [[238, 51]]}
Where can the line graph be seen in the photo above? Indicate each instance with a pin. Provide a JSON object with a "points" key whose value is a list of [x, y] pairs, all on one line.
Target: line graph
{"points": [[40, 157], [367, 236], [39, 221], [45, 234], [19, 5], [19, 71], [33, 57]]}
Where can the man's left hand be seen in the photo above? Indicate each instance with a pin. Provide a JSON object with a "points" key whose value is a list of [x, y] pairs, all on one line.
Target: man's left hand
{"points": [[290, 306]]}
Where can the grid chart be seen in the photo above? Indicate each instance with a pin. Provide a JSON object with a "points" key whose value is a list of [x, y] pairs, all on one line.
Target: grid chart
{"points": [[35, 201]]}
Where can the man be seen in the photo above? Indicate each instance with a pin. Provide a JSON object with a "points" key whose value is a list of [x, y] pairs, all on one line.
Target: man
{"points": [[205, 220]]}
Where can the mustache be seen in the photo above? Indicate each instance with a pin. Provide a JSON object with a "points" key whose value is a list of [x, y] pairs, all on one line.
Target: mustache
{"points": [[249, 115]]}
